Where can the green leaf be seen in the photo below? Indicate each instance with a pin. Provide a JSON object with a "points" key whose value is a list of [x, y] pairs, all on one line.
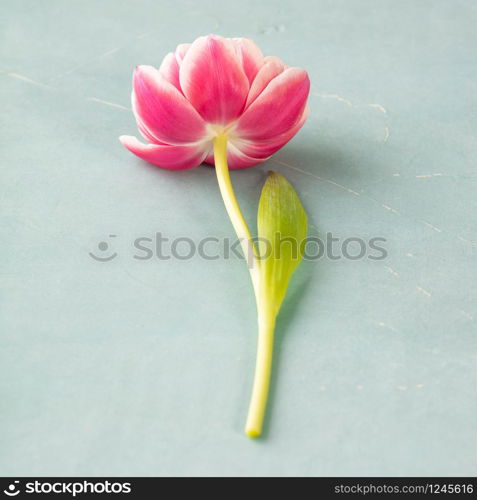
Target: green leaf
{"points": [[282, 228]]}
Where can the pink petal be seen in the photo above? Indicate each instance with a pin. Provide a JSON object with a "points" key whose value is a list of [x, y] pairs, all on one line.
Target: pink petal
{"points": [[278, 108], [236, 159], [145, 133], [181, 51], [164, 111], [249, 55], [272, 68], [169, 69], [266, 148], [213, 80], [165, 156]]}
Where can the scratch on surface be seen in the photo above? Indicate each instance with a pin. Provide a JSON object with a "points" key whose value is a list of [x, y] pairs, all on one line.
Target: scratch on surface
{"points": [[268, 30], [28, 80], [342, 99], [144, 35], [419, 386], [342, 187], [391, 209], [329, 181], [379, 203], [378, 106], [435, 228], [402, 387], [385, 325], [423, 291], [467, 241], [112, 104], [382, 205], [467, 315], [109, 52], [427, 176], [392, 271], [333, 96], [333, 183]]}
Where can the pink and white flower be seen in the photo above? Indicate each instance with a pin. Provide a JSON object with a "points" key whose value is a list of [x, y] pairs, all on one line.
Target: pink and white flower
{"points": [[216, 86]]}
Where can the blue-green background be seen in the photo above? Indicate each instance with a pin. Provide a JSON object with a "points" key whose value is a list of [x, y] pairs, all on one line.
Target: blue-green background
{"points": [[145, 367]]}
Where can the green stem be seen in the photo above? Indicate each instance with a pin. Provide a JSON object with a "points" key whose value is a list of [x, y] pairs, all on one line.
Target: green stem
{"points": [[266, 316], [233, 209], [263, 371]]}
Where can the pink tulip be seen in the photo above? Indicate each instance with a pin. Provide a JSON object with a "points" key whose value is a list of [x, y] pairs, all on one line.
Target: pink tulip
{"points": [[220, 101], [216, 87]]}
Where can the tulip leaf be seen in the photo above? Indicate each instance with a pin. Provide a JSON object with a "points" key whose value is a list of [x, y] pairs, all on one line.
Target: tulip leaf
{"points": [[282, 229]]}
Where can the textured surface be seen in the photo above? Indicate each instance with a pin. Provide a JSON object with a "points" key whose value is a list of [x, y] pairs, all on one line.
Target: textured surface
{"points": [[144, 367]]}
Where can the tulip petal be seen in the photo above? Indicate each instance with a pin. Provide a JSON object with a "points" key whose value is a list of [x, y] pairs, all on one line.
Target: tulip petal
{"points": [[213, 80], [170, 65], [249, 55], [165, 156], [278, 108], [169, 69], [266, 148], [181, 51], [145, 133], [236, 159], [272, 68], [164, 111]]}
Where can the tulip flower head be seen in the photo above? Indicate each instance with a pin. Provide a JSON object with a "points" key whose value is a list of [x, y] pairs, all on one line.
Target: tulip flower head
{"points": [[220, 101], [216, 86]]}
